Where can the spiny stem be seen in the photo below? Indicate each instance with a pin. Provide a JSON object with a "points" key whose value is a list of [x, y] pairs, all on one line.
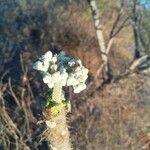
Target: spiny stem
{"points": [[57, 133]]}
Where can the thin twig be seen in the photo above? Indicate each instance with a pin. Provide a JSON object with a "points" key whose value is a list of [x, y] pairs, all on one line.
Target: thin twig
{"points": [[13, 94]]}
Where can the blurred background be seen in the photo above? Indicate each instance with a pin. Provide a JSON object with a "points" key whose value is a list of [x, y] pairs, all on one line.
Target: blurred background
{"points": [[113, 117]]}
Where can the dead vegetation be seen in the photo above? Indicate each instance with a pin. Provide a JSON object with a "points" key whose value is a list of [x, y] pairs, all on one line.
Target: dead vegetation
{"points": [[115, 117]]}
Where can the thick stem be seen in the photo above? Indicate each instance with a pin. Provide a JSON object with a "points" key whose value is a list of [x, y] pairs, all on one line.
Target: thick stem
{"points": [[57, 133]]}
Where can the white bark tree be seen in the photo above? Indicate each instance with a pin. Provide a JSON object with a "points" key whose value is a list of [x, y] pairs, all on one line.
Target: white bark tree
{"points": [[117, 26], [101, 41]]}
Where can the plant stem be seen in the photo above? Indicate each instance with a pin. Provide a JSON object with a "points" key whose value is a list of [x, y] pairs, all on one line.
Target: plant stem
{"points": [[57, 133]]}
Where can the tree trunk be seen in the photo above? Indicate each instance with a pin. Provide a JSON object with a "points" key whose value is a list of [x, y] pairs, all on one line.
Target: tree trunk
{"points": [[99, 32], [135, 26]]}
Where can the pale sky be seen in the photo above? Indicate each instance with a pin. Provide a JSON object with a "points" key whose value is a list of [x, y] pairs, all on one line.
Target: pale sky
{"points": [[146, 3]]}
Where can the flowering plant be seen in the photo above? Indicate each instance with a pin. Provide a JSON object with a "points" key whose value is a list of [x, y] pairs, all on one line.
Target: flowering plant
{"points": [[58, 71], [62, 69]]}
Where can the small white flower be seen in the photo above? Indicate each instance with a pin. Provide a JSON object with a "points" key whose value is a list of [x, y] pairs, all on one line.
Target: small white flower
{"points": [[79, 88], [47, 56], [54, 67], [79, 61], [47, 78], [41, 66], [71, 63], [72, 81], [37, 65], [45, 65], [56, 77], [85, 71], [64, 77], [62, 69], [54, 59], [78, 69], [50, 85]]}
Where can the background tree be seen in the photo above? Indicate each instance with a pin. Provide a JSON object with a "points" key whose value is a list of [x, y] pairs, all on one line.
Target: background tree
{"points": [[117, 26]]}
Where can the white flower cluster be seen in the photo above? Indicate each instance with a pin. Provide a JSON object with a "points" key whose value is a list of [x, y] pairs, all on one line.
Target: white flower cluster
{"points": [[62, 69]]}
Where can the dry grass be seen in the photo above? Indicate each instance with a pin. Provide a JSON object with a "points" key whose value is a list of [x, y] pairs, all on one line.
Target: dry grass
{"points": [[113, 118]]}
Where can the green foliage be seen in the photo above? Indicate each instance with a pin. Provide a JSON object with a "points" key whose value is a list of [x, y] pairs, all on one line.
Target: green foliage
{"points": [[55, 109]]}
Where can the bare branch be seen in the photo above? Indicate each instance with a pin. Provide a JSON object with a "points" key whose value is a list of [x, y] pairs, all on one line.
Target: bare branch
{"points": [[120, 27], [13, 94], [138, 62], [109, 45]]}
